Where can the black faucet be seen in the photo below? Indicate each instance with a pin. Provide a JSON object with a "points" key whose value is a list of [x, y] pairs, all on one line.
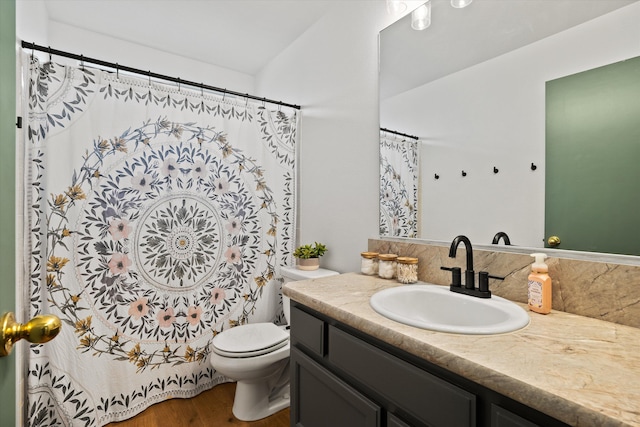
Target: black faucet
{"points": [[469, 288], [469, 275], [503, 235]]}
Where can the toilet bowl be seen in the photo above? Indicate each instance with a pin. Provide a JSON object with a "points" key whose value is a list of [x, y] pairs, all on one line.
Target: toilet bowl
{"points": [[256, 355]]}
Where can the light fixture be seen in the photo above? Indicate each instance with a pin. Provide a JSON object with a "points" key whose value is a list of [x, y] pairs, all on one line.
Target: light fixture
{"points": [[396, 6], [421, 17], [459, 4]]}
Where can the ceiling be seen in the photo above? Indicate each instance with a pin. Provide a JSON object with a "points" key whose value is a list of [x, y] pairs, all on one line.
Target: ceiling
{"points": [[241, 35], [245, 35], [460, 38]]}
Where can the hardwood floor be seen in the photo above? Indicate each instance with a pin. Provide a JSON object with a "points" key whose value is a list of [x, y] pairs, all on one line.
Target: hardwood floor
{"points": [[211, 408]]}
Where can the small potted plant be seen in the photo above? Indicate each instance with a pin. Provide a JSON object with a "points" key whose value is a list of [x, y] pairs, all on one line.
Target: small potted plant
{"points": [[309, 256]]}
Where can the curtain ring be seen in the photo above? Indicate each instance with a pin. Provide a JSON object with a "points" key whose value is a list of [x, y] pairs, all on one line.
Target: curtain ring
{"points": [[82, 62], [149, 74], [178, 84], [246, 102], [201, 89], [50, 54], [117, 71], [33, 47], [224, 94]]}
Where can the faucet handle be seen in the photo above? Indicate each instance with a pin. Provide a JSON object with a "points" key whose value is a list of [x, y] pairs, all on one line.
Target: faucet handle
{"points": [[483, 280], [456, 275]]}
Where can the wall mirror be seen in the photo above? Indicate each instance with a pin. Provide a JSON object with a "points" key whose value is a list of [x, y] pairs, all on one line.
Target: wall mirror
{"points": [[471, 89]]}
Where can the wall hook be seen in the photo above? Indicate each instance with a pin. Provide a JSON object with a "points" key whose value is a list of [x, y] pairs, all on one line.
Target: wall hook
{"points": [[436, 176], [495, 170], [533, 166], [464, 173]]}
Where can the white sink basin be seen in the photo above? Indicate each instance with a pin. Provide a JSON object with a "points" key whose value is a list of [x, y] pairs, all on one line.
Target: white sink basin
{"points": [[437, 308]]}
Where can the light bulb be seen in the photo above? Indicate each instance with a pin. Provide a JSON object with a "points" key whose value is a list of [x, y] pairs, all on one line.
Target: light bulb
{"points": [[421, 17], [395, 6], [459, 4]]}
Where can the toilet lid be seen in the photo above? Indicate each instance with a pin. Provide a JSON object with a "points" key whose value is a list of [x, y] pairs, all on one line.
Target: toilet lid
{"points": [[249, 340]]}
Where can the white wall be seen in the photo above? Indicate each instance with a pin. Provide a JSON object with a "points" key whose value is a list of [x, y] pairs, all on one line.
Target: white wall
{"points": [[32, 22], [33, 26], [332, 72], [493, 114]]}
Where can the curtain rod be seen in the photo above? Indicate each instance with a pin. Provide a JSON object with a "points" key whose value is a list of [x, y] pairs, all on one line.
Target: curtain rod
{"points": [[149, 74], [399, 133]]}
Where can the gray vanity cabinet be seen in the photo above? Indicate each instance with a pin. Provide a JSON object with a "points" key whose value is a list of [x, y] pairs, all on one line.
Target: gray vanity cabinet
{"points": [[341, 377]]}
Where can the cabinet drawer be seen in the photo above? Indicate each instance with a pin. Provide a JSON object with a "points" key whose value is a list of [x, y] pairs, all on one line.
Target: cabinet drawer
{"points": [[393, 421], [500, 417], [308, 331], [321, 399], [418, 393]]}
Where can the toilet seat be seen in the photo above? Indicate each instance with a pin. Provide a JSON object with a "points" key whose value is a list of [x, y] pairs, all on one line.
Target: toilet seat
{"points": [[250, 340]]}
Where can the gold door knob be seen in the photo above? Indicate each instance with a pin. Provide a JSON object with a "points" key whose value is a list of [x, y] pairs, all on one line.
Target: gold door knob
{"points": [[553, 241], [40, 329]]}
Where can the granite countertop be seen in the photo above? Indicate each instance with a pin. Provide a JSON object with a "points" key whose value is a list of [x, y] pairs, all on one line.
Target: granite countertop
{"points": [[582, 371]]}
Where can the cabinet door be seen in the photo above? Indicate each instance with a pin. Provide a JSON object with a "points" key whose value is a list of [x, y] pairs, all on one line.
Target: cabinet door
{"points": [[320, 399]]}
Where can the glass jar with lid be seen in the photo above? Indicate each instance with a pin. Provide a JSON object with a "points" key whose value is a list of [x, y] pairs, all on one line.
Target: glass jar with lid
{"points": [[387, 266], [369, 264], [407, 270]]}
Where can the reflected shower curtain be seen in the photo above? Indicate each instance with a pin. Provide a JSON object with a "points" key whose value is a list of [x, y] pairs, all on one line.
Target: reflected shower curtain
{"points": [[156, 218], [398, 186]]}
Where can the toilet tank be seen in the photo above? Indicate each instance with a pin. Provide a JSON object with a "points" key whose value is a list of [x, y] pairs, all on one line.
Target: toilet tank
{"points": [[292, 274]]}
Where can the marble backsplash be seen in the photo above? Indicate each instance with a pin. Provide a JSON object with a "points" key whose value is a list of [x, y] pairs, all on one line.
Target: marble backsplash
{"points": [[601, 290]]}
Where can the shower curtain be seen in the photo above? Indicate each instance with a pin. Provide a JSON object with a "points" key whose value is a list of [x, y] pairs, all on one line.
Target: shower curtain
{"points": [[398, 186], [156, 218]]}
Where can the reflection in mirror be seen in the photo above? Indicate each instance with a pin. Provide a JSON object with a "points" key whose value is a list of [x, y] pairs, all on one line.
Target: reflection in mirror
{"points": [[471, 87], [398, 184], [592, 151]]}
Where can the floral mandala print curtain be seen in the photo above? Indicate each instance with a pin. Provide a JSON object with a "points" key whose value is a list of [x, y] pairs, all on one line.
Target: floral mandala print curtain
{"points": [[157, 217], [398, 186]]}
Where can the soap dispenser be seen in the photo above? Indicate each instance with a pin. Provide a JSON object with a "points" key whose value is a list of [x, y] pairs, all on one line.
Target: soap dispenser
{"points": [[539, 293]]}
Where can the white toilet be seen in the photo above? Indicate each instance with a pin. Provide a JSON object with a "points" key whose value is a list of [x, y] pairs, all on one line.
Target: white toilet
{"points": [[256, 355]]}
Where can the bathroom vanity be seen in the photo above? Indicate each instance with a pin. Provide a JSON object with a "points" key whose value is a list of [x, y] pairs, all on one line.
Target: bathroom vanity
{"points": [[351, 366]]}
